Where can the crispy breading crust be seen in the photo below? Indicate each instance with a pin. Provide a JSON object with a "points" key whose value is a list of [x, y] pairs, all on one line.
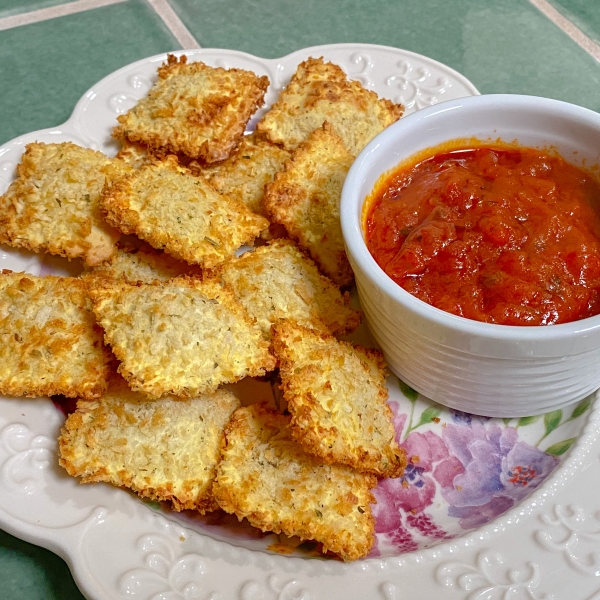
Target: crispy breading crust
{"points": [[166, 449], [244, 175], [133, 263], [336, 394], [199, 110], [171, 209], [49, 340], [135, 155], [278, 281], [266, 477], [305, 199], [53, 203], [318, 92], [182, 337]]}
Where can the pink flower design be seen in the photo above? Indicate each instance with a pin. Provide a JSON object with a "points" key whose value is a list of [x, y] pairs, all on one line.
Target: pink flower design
{"points": [[426, 525], [480, 467], [489, 470], [411, 493], [403, 540], [415, 490]]}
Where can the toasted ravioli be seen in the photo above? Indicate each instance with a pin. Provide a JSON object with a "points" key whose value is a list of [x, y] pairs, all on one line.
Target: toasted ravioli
{"points": [[199, 110], [278, 281], [269, 479], [49, 340], [183, 337], [53, 204], [244, 175], [164, 449], [337, 397], [171, 209], [134, 155], [305, 199], [320, 92], [133, 263]]}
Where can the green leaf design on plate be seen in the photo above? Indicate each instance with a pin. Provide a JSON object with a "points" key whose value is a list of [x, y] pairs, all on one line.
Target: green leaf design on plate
{"points": [[560, 447], [411, 394], [581, 407], [552, 420], [523, 421], [428, 415], [507, 420]]}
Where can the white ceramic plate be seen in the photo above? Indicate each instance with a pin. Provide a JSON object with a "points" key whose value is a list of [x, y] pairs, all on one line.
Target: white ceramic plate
{"points": [[487, 509]]}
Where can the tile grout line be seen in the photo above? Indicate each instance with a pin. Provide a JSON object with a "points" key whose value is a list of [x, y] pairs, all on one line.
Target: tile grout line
{"points": [[60, 10], [568, 27], [175, 25]]}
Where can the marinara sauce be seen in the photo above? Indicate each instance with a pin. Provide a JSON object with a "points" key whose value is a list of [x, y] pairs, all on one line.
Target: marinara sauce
{"points": [[505, 235]]}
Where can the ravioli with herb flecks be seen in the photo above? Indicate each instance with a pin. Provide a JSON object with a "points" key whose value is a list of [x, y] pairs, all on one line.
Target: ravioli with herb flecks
{"points": [[319, 91], [195, 109], [279, 281], [182, 337], [53, 206], [305, 199], [337, 397], [164, 449], [49, 341], [267, 478], [183, 215]]}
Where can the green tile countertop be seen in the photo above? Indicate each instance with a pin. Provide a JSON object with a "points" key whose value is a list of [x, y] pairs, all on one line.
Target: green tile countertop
{"points": [[52, 51]]}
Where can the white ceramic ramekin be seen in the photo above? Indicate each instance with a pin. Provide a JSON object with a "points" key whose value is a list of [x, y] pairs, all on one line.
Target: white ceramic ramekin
{"points": [[482, 368]]}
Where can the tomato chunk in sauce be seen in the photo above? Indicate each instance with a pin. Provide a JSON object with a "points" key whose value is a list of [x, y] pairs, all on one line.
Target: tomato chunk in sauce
{"points": [[501, 235]]}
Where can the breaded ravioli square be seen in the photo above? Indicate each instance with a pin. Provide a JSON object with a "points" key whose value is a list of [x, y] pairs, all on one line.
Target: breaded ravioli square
{"points": [[182, 337], [173, 210], [337, 397], [305, 199], [319, 91], [196, 109], [53, 204], [278, 281], [244, 175], [140, 262], [266, 477], [165, 449], [49, 341]]}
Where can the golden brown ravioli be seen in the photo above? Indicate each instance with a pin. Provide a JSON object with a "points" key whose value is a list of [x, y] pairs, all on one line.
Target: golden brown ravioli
{"points": [[267, 478], [278, 281], [179, 213], [319, 91], [49, 340], [244, 175], [305, 199], [164, 449], [195, 109], [182, 337], [53, 204], [337, 397]]}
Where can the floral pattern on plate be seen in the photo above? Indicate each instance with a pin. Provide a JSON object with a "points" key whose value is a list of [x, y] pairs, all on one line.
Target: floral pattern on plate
{"points": [[463, 470]]}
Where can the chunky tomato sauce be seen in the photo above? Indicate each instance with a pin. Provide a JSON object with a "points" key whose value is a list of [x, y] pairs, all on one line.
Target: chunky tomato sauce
{"points": [[496, 234]]}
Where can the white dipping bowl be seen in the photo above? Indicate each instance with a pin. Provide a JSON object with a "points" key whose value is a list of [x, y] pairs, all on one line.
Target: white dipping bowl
{"points": [[481, 368]]}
